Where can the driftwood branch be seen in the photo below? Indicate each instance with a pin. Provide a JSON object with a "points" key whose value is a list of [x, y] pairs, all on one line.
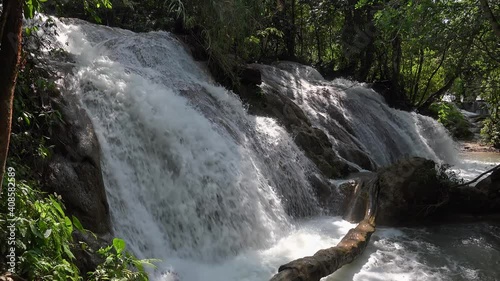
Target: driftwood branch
{"points": [[327, 261], [478, 177]]}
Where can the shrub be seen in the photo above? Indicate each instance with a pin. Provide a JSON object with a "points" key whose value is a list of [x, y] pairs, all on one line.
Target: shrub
{"points": [[44, 240], [452, 119], [491, 132]]}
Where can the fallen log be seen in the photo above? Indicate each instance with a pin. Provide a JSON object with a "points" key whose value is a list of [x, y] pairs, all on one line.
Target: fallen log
{"points": [[327, 261]]}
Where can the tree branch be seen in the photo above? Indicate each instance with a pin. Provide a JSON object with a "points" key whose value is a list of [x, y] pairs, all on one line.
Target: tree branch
{"points": [[491, 17], [478, 177]]}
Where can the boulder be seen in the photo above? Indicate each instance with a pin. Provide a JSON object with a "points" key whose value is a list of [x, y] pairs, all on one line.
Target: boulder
{"points": [[410, 190], [250, 76], [74, 170], [480, 199], [491, 184], [86, 258]]}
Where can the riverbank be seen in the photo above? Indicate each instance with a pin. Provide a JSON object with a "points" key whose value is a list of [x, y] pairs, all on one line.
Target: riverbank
{"points": [[475, 146]]}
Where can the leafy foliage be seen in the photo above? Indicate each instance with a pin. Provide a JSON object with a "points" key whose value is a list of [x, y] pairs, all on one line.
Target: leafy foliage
{"points": [[44, 240], [43, 237], [120, 264], [425, 47], [451, 117], [491, 132]]}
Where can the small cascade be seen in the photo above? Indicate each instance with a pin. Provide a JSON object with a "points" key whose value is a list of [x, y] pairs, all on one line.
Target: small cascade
{"points": [[356, 118], [476, 122]]}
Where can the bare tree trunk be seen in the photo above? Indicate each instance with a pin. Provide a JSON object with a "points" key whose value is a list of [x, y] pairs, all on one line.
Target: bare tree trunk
{"points": [[424, 106], [491, 17], [327, 261], [396, 61], [10, 54]]}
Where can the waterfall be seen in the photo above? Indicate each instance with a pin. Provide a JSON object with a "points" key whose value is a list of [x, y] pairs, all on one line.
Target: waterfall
{"points": [[356, 117], [194, 180]]}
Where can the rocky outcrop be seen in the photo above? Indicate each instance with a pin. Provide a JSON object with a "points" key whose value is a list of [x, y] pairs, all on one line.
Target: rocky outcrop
{"points": [[491, 185], [87, 259], [74, 170], [314, 142], [410, 190], [414, 190], [484, 198]]}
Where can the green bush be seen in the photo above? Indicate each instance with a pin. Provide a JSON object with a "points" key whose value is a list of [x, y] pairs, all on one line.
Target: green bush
{"points": [[452, 119], [119, 264], [43, 239], [491, 132], [43, 235]]}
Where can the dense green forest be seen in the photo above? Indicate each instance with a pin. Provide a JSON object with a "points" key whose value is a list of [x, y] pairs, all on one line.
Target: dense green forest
{"points": [[420, 50], [416, 50]]}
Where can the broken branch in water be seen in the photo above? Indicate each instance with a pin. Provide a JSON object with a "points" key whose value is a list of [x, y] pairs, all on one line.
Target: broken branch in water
{"points": [[327, 261], [478, 177]]}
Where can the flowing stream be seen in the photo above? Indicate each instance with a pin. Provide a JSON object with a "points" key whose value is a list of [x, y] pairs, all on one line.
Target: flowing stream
{"points": [[218, 194]]}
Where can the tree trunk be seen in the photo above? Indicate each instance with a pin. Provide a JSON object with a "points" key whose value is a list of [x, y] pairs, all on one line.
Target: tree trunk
{"points": [[10, 53], [396, 61], [438, 94], [491, 17], [424, 106], [327, 261]]}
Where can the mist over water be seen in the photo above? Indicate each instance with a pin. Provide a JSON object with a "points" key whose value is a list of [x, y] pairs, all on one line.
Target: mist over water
{"points": [[218, 194]]}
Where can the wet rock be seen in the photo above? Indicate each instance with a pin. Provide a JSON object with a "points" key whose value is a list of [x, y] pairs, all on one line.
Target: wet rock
{"points": [[327, 194], [86, 258], [491, 184], [480, 199], [250, 76], [410, 190], [357, 156], [74, 171], [270, 102]]}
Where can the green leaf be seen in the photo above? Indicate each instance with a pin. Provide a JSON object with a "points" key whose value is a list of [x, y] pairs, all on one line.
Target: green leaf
{"points": [[34, 230], [28, 9], [47, 233], [68, 252], [57, 206], [69, 224], [26, 118], [78, 225], [119, 245]]}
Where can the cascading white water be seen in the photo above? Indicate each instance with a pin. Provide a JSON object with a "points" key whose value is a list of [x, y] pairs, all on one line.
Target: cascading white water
{"points": [[192, 179], [356, 116], [189, 173]]}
